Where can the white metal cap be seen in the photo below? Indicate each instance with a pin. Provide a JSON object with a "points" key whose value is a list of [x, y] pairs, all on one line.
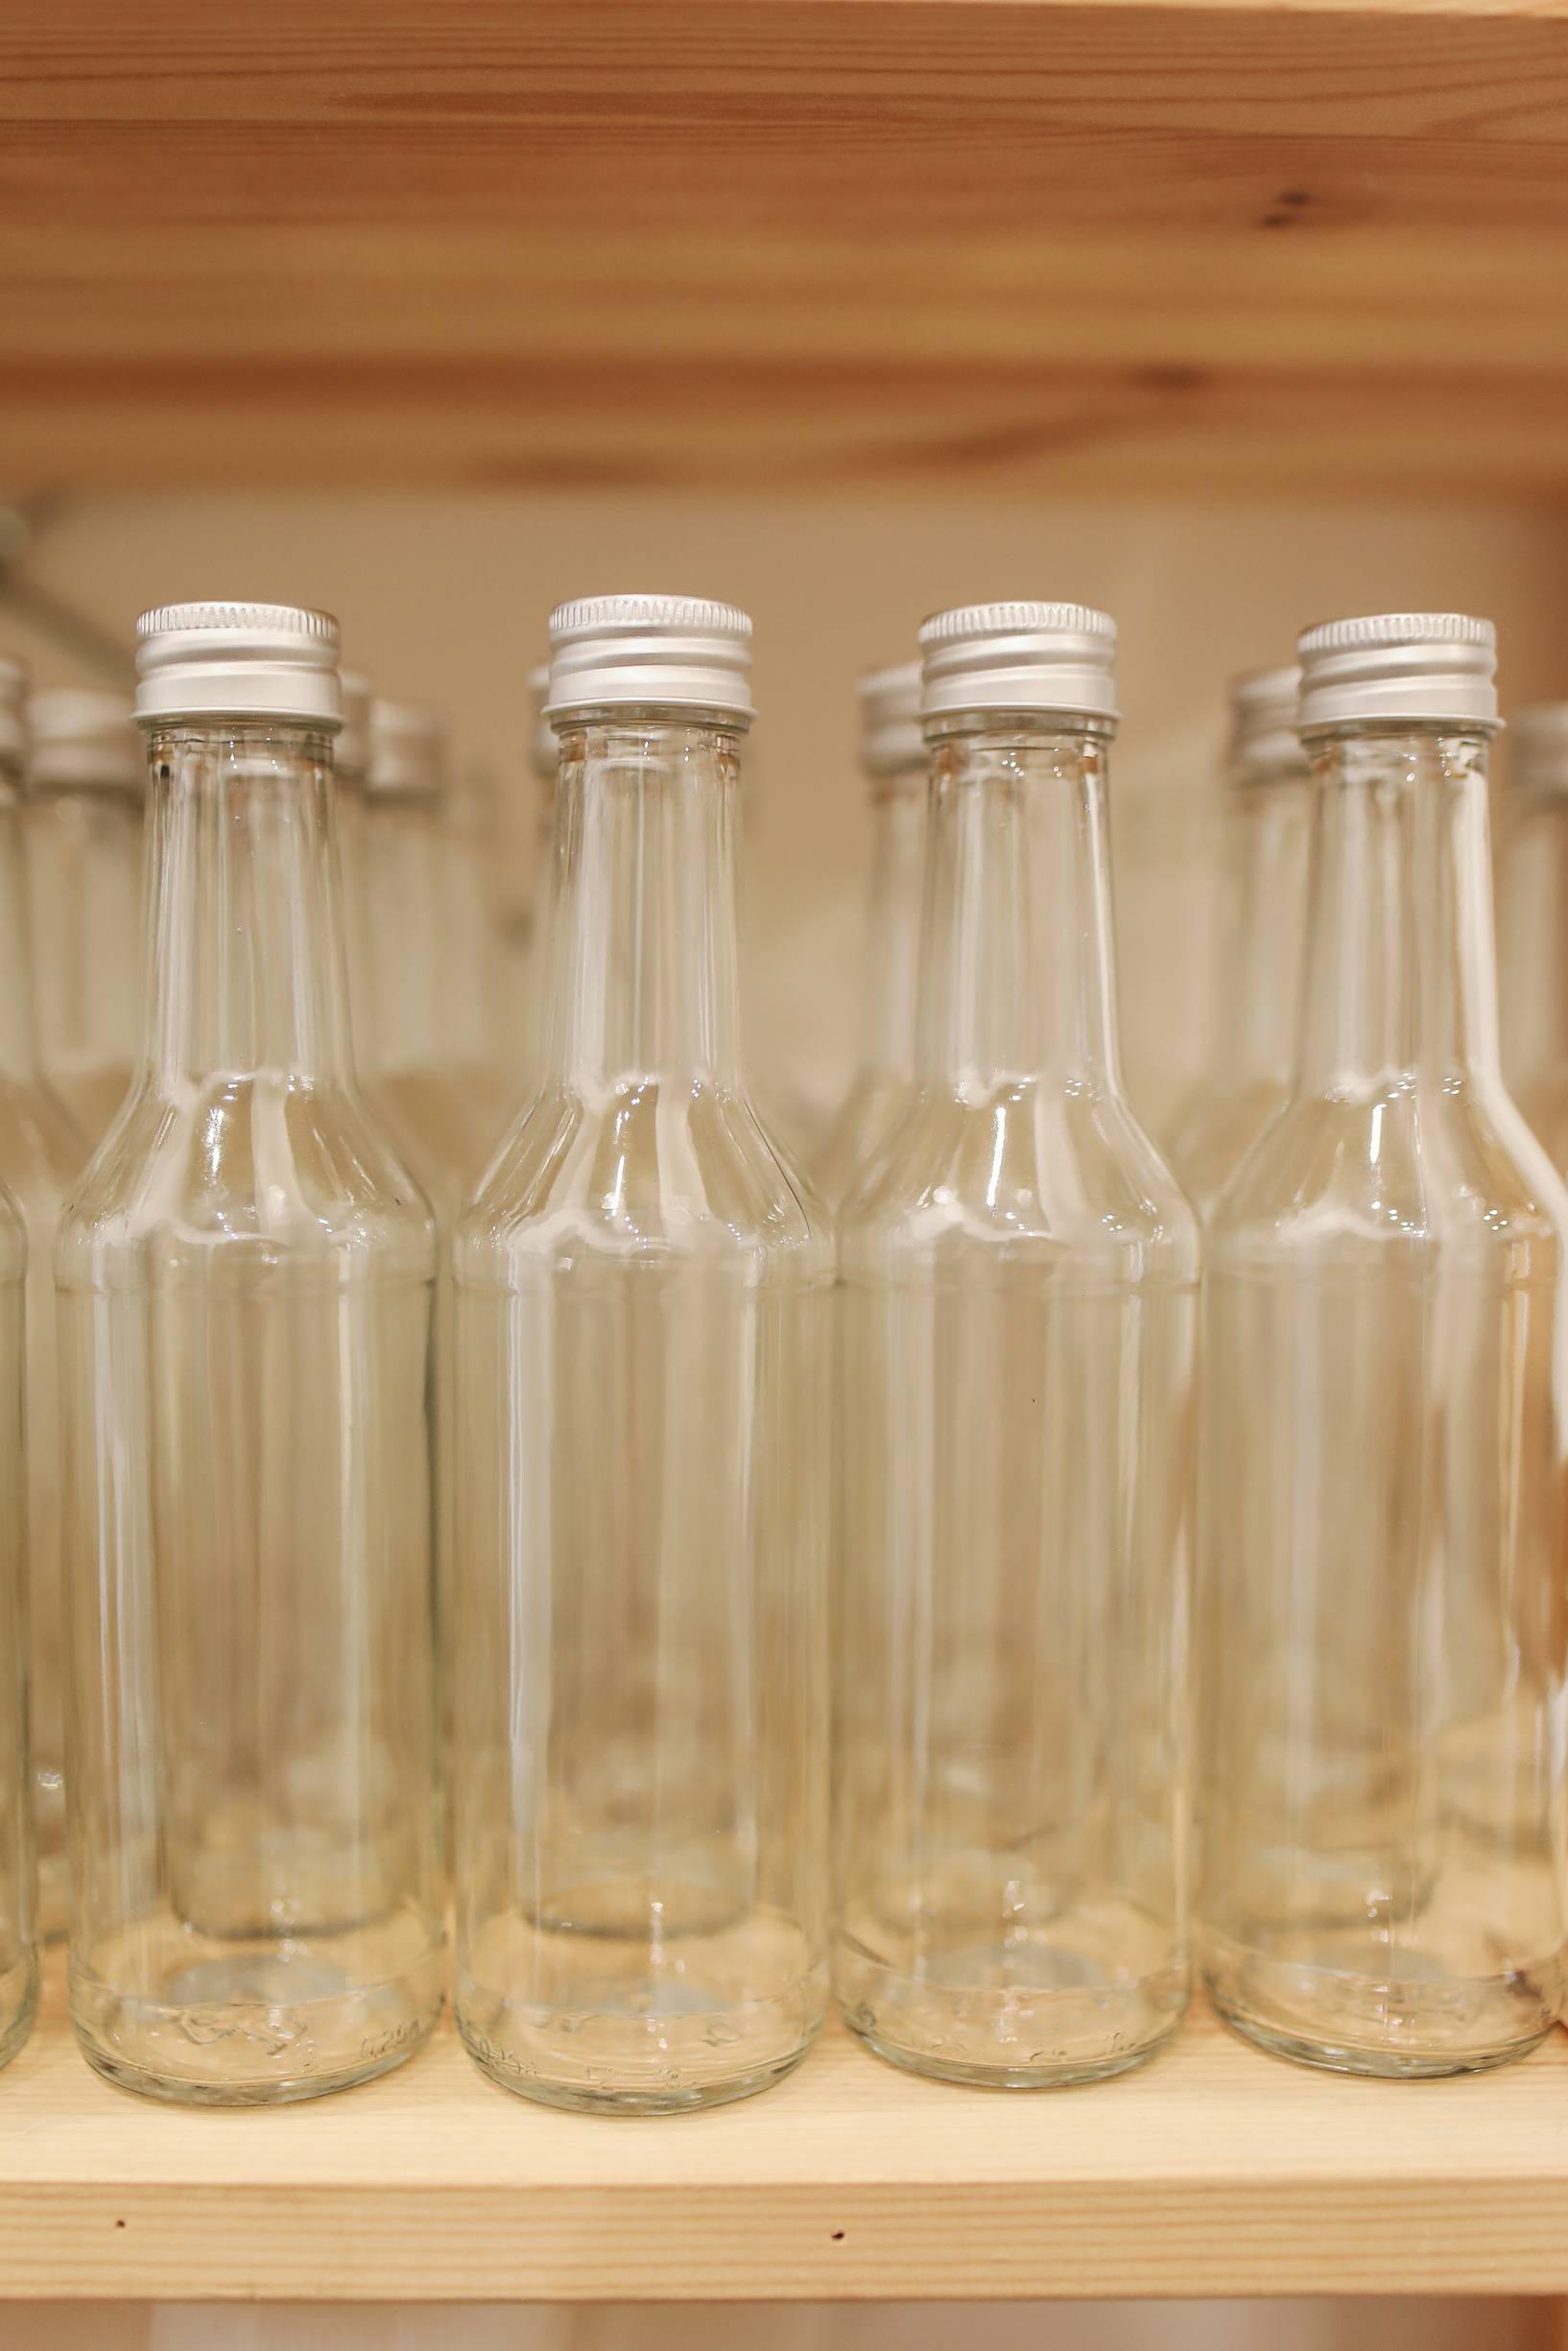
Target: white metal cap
{"points": [[238, 661], [891, 741], [408, 748], [1021, 656], [543, 745], [351, 753], [84, 740], [1263, 732], [13, 704], [674, 652], [1415, 668]]}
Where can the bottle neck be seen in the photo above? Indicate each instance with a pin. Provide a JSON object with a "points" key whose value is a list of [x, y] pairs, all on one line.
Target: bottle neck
{"points": [[246, 970], [899, 819], [18, 1039], [84, 854], [1018, 980], [1401, 973], [643, 967], [1261, 927], [400, 846]]}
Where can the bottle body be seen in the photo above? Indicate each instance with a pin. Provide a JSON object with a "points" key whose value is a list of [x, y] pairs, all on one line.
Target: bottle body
{"points": [[1381, 1612], [245, 1283], [644, 1356], [18, 1880], [1018, 1316], [85, 852]]}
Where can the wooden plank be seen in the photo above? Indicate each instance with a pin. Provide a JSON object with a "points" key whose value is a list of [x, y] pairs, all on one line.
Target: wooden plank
{"points": [[759, 240], [1215, 2170]]}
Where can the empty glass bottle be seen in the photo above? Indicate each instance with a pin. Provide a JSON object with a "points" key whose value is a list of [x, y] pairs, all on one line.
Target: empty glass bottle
{"points": [[1386, 1392], [1533, 923], [894, 758], [244, 1279], [40, 1157], [18, 1885], [1019, 1308], [86, 784], [1260, 936], [644, 1295]]}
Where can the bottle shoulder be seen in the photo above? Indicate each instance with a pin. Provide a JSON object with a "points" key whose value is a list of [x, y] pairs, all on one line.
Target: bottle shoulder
{"points": [[1409, 1162], [643, 1171], [261, 1162], [1037, 1173]]}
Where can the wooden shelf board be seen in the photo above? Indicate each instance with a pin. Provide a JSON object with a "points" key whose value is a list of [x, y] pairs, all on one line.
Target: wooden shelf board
{"points": [[1061, 243], [1213, 2170]]}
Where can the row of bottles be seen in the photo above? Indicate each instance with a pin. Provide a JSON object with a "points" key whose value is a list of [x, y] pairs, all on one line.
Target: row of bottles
{"points": [[1120, 1514]]}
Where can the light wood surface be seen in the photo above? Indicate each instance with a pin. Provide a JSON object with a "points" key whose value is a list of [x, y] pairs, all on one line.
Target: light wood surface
{"points": [[784, 241], [1215, 2170]]}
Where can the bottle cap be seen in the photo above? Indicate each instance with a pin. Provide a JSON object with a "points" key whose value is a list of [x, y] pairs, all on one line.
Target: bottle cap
{"points": [[408, 748], [1023, 656], [1401, 668], [891, 741], [13, 704], [543, 745], [83, 741], [238, 661], [1538, 747], [1262, 720], [351, 753], [674, 651]]}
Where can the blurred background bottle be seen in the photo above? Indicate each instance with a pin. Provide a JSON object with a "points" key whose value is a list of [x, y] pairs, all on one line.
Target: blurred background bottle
{"points": [[350, 769], [18, 1860], [1260, 939], [644, 1294], [245, 1281], [1533, 922], [86, 788], [892, 757], [42, 1154], [1019, 1309], [1382, 1608]]}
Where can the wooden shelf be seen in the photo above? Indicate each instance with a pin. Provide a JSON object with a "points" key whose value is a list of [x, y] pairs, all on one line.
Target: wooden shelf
{"points": [[1125, 244], [1213, 2170]]}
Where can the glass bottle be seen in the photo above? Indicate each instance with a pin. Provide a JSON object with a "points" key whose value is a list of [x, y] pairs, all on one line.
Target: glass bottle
{"points": [[544, 759], [1260, 935], [350, 767], [18, 1874], [86, 788], [1383, 1610], [245, 1281], [40, 1157], [1533, 923], [644, 1340], [894, 758], [1019, 1306]]}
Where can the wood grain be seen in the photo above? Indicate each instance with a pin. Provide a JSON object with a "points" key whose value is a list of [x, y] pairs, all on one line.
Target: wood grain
{"points": [[1215, 2170], [1003, 241]]}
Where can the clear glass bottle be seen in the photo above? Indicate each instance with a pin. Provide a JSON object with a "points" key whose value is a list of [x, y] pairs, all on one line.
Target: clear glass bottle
{"points": [[1386, 1387], [544, 759], [1533, 922], [644, 1343], [86, 788], [350, 769], [895, 761], [1260, 936], [1019, 1307], [18, 1875], [244, 1279], [40, 1157]]}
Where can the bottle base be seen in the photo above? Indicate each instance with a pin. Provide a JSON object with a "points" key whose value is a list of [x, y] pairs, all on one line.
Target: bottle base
{"points": [[18, 2003], [256, 2026], [1417, 2027], [974, 2015], [630, 2027]]}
